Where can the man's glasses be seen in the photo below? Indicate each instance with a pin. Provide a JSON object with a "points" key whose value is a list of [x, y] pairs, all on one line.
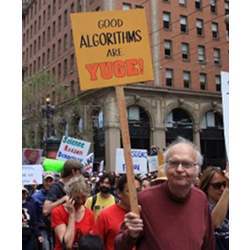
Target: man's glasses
{"points": [[218, 185], [184, 164]]}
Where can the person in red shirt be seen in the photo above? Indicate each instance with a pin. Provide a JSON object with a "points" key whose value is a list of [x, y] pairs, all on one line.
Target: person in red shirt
{"points": [[109, 220], [71, 219]]}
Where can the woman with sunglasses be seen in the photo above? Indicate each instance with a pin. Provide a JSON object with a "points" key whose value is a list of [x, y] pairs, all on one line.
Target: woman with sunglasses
{"points": [[214, 182]]}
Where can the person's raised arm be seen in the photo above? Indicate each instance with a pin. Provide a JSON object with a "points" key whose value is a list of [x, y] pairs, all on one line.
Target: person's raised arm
{"points": [[66, 233], [220, 210], [49, 205]]}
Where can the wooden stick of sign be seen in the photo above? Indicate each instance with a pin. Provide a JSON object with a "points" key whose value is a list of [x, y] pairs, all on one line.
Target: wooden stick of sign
{"points": [[127, 148]]}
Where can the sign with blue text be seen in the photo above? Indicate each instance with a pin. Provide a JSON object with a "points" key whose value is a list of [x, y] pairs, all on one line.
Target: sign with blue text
{"points": [[139, 158], [72, 148]]}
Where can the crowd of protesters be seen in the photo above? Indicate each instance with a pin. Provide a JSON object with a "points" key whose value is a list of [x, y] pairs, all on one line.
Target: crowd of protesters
{"points": [[180, 207]]}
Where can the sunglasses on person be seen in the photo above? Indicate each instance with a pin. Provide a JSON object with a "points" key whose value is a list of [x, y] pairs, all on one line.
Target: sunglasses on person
{"points": [[218, 185]]}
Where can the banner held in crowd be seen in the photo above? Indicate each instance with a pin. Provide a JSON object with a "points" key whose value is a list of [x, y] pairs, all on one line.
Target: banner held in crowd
{"points": [[72, 148], [32, 156], [53, 165], [32, 174], [139, 158]]}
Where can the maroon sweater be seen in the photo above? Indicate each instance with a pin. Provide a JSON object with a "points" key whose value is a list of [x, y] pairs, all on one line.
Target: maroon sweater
{"points": [[171, 223]]}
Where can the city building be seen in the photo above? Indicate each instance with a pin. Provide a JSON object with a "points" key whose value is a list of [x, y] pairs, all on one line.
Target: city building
{"points": [[189, 45]]}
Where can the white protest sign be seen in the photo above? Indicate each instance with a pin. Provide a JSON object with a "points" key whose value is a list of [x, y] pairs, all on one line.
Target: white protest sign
{"points": [[32, 174], [153, 163], [225, 105], [72, 148], [139, 158]]}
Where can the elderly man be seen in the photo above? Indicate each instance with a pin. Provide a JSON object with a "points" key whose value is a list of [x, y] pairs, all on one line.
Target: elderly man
{"points": [[174, 215]]}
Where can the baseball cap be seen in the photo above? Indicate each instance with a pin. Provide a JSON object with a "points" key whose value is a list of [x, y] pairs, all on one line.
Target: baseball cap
{"points": [[48, 174], [25, 189]]}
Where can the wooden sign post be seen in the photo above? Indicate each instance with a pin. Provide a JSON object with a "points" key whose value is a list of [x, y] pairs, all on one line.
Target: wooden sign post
{"points": [[127, 148]]}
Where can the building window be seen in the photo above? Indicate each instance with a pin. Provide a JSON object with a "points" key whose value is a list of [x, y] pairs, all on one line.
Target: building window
{"points": [[53, 72], [65, 42], [213, 6], [31, 51], [48, 56], [72, 62], [54, 7], [167, 48], [215, 30], [72, 8], [203, 81], [43, 43], [35, 27], [79, 7], [39, 43], [24, 38], [44, 17], [43, 59], [72, 88], [54, 29], [59, 23], [48, 34], [126, 6], [34, 67], [201, 54], [39, 63], [27, 36], [169, 77], [59, 47], [218, 83], [49, 12], [65, 68], [183, 24], [53, 51], [185, 51], [59, 71], [34, 47], [199, 27], [59, 4], [65, 18], [226, 7], [183, 2], [31, 31], [139, 6], [71, 38], [217, 57], [39, 22], [198, 5], [186, 79], [166, 20]]}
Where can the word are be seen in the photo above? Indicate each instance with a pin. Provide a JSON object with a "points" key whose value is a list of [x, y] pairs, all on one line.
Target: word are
{"points": [[73, 142], [118, 69]]}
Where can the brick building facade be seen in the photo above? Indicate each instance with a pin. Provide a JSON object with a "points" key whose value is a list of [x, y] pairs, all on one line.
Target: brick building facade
{"points": [[189, 45]]}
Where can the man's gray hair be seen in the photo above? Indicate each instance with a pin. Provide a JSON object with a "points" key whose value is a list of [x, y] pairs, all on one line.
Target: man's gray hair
{"points": [[181, 140]]}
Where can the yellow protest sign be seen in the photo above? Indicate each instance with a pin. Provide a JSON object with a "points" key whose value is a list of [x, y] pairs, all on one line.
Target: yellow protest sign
{"points": [[112, 48]]}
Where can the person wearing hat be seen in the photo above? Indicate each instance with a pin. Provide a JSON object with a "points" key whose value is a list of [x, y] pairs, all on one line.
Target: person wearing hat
{"points": [[43, 222], [30, 232]]}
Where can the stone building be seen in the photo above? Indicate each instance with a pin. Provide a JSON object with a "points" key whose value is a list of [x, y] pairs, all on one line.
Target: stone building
{"points": [[189, 45]]}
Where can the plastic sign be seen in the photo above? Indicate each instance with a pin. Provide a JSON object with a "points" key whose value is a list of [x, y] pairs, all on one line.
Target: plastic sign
{"points": [[112, 48], [153, 163], [225, 105], [139, 158], [72, 148], [32, 156], [53, 165], [32, 174]]}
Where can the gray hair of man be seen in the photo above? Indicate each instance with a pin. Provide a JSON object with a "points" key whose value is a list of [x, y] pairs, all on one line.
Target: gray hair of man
{"points": [[77, 184], [181, 140]]}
